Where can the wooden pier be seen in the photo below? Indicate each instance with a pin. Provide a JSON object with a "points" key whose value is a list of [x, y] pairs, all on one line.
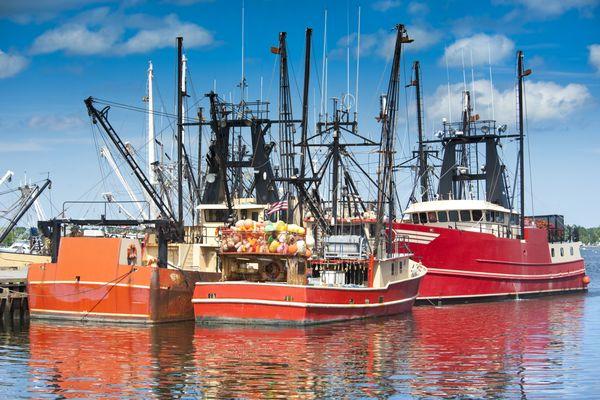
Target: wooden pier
{"points": [[13, 293]]}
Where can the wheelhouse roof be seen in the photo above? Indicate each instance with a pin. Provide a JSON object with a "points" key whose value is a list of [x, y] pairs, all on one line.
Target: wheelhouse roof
{"points": [[447, 205]]}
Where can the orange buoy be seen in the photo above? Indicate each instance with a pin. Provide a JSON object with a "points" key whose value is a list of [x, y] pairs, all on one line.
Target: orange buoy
{"points": [[586, 280]]}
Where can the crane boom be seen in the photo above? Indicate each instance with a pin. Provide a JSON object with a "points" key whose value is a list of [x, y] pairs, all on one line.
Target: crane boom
{"points": [[99, 116]]}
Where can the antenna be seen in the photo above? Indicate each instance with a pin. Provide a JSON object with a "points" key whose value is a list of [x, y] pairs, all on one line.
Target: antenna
{"points": [[243, 81], [323, 68], [491, 81], [448, 82], [472, 82], [357, 62], [462, 56], [347, 49]]}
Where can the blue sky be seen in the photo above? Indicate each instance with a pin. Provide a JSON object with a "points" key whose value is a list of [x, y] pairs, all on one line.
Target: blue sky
{"points": [[55, 53]]}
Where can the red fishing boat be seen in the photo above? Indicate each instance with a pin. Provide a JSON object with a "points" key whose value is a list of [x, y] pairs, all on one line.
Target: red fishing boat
{"points": [[268, 272], [469, 234], [470, 252], [275, 287]]}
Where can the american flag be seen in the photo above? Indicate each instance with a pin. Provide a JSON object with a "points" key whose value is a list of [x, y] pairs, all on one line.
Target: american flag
{"points": [[277, 206]]}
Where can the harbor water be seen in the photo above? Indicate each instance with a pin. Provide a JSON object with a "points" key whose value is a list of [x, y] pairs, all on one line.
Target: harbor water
{"points": [[547, 347]]}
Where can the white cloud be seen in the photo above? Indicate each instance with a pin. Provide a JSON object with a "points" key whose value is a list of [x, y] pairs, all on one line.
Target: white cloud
{"points": [[384, 5], [11, 64], [75, 39], [482, 47], [164, 36], [100, 32], [594, 57], [545, 101], [418, 8], [553, 8], [55, 122]]}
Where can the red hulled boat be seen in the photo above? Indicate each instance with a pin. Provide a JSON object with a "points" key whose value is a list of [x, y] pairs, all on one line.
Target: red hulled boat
{"points": [[469, 234], [478, 257], [275, 288]]}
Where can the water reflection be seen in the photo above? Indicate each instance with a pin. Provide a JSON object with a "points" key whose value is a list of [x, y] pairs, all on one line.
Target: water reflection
{"points": [[508, 349]]}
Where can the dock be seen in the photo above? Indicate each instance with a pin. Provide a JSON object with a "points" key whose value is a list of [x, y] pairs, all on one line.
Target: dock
{"points": [[13, 293]]}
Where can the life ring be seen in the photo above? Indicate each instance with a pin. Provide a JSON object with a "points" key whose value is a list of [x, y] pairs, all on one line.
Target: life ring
{"points": [[273, 271], [131, 254]]}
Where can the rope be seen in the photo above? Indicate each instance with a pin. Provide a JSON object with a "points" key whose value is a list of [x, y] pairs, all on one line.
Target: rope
{"points": [[107, 292]]}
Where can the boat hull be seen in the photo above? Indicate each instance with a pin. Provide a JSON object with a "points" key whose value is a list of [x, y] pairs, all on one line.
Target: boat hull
{"points": [[283, 304], [464, 265], [89, 283]]}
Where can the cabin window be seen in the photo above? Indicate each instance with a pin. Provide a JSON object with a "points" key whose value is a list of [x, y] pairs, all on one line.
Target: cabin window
{"points": [[442, 216], [255, 215], [477, 215], [500, 217], [552, 252], [571, 250], [453, 215], [465, 215], [215, 215], [432, 216], [393, 268], [415, 218], [514, 219], [489, 216], [423, 218], [562, 252]]}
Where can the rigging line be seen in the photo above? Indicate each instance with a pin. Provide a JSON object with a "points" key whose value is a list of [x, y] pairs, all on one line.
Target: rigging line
{"points": [[107, 292], [130, 107]]}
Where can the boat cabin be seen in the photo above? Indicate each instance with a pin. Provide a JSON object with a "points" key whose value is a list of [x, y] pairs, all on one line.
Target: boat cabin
{"points": [[467, 215], [215, 216]]}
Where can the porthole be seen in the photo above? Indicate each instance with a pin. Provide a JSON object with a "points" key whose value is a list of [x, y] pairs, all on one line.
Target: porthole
{"points": [[562, 252], [552, 252]]}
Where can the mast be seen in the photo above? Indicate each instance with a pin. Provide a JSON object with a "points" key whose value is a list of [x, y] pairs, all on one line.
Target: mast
{"points": [[151, 138], [385, 177], [423, 169], [180, 132], [304, 132], [199, 170], [522, 74], [286, 128]]}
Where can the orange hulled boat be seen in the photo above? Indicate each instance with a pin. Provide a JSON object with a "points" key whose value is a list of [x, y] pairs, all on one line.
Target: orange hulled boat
{"points": [[104, 279]]}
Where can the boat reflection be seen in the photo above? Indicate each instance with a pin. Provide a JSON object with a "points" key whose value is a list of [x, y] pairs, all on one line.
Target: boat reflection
{"points": [[73, 360], [502, 349]]}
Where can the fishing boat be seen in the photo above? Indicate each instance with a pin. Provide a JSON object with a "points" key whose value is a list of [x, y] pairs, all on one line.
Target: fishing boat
{"points": [[107, 279], [471, 235], [115, 278], [273, 285], [269, 272]]}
